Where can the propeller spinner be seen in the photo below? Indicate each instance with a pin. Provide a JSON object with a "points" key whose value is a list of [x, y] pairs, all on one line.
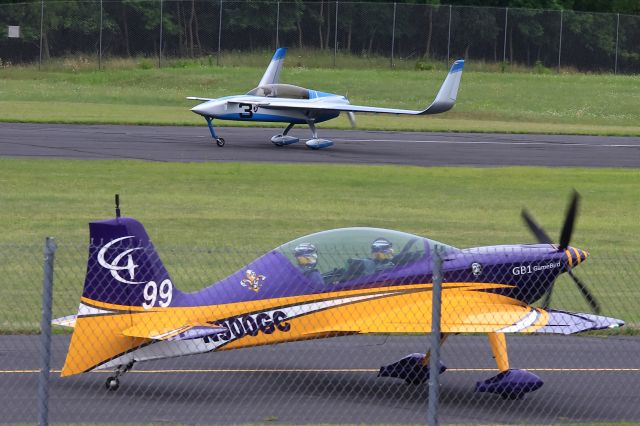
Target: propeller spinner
{"points": [[565, 238]]}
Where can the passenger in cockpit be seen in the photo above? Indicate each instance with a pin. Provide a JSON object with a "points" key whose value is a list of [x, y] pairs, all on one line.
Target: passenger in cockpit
{"points": [[379, 260], [381, 254], [307, 257]]}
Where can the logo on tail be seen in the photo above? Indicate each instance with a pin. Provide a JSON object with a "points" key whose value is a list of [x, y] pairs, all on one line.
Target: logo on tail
{"points": [[115, 267]]}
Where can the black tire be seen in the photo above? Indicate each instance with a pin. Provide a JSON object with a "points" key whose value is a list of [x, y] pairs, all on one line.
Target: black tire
{"points": [[112, 383], [220, 142]]}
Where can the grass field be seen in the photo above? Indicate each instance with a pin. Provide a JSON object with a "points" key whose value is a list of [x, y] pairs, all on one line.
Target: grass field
{"points": [[193, 211], [134, 92]]}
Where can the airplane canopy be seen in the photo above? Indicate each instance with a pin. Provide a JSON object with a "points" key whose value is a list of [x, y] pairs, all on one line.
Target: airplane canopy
{"points": [[354, 248], [280, 91]]}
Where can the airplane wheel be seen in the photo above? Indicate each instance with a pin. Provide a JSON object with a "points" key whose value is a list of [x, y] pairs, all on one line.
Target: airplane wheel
{"points": [[112, 383], [220, 142]]}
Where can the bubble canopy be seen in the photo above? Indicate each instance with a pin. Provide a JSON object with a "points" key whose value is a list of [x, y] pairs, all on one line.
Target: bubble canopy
{"points": [[280, 91], [337, 247]]}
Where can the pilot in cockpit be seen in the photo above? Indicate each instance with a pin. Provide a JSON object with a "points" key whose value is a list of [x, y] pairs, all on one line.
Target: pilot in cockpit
{"points": [[381, 254], [307, 257]]}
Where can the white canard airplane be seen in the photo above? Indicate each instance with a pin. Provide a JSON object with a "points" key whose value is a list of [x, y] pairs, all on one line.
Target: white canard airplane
{"points": [[285, 103]]}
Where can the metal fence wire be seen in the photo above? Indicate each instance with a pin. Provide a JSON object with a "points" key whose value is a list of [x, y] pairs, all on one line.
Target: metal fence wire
{"points": [[394, 34], [281, 337]]}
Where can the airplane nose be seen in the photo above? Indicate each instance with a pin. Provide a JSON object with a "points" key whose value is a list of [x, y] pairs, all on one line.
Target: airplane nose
{"points": [[575, 256], [200, 109]]}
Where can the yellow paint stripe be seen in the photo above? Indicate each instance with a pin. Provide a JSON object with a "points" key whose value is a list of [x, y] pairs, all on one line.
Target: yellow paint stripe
{"points": [[332, 370], [575, 250], [569, 258]]}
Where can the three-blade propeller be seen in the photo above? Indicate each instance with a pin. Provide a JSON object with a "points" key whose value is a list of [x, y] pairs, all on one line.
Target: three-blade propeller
{"points": [[565, 238]]}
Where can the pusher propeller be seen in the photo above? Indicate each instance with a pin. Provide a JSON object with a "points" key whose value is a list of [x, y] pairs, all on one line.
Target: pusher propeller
{"points": [[565, 238], [352, 119]]}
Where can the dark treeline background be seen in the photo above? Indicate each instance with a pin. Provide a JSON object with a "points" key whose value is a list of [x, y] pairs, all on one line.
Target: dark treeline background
{"points": [[597, 35]]}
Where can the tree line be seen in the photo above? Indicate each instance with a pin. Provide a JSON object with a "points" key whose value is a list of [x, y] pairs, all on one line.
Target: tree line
{"points": [[414, 30]]}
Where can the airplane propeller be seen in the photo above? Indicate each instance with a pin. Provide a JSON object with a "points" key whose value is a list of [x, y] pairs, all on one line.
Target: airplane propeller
{"points": [[350, 114], [565, 238], [352, 119]]}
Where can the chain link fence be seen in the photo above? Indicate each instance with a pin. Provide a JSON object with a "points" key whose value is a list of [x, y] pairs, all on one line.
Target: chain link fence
{"points": [[295, 374], [332, 32]]}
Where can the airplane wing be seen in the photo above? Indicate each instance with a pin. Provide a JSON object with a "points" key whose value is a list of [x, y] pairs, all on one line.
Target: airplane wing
{"points": [[443, 102], [68, 321], [466, 308], [185, 332], [196, 98], [563, 322], [149, 331]]}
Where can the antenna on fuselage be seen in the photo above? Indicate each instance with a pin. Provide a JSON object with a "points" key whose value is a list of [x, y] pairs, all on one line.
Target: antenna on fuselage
{"points": [[117, 205]]}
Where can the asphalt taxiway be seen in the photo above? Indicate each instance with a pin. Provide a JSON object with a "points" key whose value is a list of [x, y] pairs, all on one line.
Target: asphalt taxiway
{"points": [[587, 379], [194, 144]]}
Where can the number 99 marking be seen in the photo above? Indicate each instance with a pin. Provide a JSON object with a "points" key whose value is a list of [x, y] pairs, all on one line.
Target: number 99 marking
{"points": [[151, 294]]}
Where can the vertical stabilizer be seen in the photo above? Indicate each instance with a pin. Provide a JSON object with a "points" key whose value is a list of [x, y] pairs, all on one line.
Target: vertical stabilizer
{"points": [[122, 262], [125, 277], [272, 74]]}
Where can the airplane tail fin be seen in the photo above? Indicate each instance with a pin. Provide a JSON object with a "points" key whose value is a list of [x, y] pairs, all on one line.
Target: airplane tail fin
{"points": [[122, 262], [272, 74], [446, 98], [125, 276]]}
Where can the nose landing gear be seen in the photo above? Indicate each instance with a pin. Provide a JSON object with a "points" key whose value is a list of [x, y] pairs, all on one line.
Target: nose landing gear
{"points": [[219, 141]]}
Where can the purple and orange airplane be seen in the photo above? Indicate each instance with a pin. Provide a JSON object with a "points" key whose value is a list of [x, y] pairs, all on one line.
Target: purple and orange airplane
{"points": [[332, 283]]}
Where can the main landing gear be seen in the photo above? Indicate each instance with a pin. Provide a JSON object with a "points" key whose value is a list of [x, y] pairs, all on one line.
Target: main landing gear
{"points": [[414, 368], [113, 382], [283, 138], [508, 383], [314, 143]]}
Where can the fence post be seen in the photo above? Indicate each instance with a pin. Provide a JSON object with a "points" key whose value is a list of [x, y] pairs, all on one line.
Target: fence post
{"points": [[560, 45], [160, 49], [100, 40], [41, 33], [504, 45], [449, 36], [335, 37], [219, 33], [45, 332], [434, 360], [615, 67], [278, 26], [393, 33]]}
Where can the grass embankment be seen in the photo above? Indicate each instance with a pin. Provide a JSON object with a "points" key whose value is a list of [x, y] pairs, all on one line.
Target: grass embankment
{"points": [[193, 211], [134, 92]]}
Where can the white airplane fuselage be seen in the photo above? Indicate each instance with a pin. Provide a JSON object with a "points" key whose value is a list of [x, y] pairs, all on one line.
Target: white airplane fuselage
{"points": [[236, 110]]}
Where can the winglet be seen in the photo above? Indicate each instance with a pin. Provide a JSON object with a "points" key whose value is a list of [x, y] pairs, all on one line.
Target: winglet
{"points": [[446, 98], [272, 74]]}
